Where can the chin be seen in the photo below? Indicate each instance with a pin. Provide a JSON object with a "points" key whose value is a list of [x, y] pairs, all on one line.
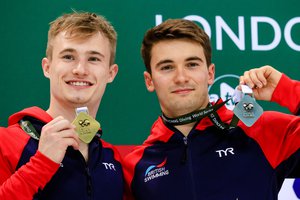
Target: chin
{"points": [[78, 100]]}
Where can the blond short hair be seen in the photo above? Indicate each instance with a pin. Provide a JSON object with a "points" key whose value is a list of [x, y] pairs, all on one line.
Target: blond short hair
{"points": [[81, 25]]}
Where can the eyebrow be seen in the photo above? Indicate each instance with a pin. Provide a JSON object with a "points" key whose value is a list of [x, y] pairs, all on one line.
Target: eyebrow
{"points": [[167, 61], [71, 50], [194, 58], [96, 53]]}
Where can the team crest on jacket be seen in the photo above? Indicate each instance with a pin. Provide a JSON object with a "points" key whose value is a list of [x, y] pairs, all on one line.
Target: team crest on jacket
{"points": [[155, 171]]}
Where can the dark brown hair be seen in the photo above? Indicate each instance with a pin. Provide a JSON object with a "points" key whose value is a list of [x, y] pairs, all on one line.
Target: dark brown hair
{"points": [[172, 29]]}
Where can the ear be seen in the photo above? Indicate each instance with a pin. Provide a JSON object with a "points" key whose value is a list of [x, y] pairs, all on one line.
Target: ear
{"points": [[46, 67], [113, 70], [148, 81], [211, 74]]}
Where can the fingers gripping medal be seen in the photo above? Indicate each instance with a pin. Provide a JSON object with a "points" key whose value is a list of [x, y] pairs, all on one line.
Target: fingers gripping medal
{"points": [[248, 110], [86, 126]]}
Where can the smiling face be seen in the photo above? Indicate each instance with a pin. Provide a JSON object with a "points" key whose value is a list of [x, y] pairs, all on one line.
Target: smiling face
{"points": [[79, 70], [180, 76]]}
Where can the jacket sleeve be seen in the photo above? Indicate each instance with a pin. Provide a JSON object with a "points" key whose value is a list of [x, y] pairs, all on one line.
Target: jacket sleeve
{"points": [[287, 94], [129, 166], [29, 178], [277, 134]]}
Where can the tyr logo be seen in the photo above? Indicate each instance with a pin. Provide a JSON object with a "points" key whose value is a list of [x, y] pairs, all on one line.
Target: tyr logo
{"points": [[225, 152], [109, 166]]}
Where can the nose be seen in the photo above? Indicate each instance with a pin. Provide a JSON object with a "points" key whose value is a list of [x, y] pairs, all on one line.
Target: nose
{"points": [[80, 68], [181, 75]]}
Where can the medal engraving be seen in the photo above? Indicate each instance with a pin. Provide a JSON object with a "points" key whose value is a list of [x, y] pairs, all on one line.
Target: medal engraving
{"points": [[248, 106], [86, 127], [248, 113], [248, 110]]}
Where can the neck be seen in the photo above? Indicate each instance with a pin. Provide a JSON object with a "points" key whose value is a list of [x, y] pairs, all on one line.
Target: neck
{"points": [[84, 148], [68, 111]]}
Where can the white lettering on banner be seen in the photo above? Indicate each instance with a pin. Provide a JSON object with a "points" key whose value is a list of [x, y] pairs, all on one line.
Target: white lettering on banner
{"points": [[254, 33], [221, 25], [287, 33], [239, 39], [202, 21], [158, 19]]}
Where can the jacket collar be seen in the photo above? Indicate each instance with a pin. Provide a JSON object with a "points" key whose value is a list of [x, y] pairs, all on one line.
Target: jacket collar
{"points": [[161, 132], [34, 112]]}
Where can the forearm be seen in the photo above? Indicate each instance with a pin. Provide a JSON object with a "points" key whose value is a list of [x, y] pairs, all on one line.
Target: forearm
{"points": [[278, 142], [28, 179], [287, 94]]}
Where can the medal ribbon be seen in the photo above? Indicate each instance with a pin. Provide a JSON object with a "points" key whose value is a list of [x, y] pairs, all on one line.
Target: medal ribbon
{"points": [[194, 116]]}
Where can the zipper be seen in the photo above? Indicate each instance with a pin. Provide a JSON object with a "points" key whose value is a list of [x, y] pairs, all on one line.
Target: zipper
{"points": [[89, 182], [88, 176], [189, 162], [184, 155]]}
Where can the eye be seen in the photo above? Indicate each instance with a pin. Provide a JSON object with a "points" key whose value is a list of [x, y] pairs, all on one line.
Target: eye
{"points": [[192, 64], [94, 59], [68, 57], [166, 67]]}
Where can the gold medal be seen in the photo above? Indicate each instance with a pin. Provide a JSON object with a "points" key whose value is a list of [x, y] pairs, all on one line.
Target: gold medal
{"points": [[86, 127]]}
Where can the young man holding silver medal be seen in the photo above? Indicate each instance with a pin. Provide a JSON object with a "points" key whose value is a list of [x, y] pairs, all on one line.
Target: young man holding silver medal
{"points": [[198, 149], [269, 84], [58, 153]]}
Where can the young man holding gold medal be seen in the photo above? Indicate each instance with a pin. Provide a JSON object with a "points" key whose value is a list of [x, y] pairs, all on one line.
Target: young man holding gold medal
{"points": [[58, 153], [202, 150]]}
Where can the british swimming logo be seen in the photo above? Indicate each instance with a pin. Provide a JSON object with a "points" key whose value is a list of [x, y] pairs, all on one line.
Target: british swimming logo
{"points": [[155, 171], [296, 187], [290, 189]]}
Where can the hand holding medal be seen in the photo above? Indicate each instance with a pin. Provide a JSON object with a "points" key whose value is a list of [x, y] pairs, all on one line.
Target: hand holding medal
{"points": [[86, 126]]}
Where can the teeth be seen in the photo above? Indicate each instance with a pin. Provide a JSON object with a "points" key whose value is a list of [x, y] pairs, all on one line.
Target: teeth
{"points": [[79, 83]]}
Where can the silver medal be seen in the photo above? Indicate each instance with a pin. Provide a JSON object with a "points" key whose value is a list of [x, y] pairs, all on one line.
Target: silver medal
{"points": [[247, 109]]}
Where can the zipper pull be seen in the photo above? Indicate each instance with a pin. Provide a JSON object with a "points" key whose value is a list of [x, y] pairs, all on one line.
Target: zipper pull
{"points": [[184, 155]]}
